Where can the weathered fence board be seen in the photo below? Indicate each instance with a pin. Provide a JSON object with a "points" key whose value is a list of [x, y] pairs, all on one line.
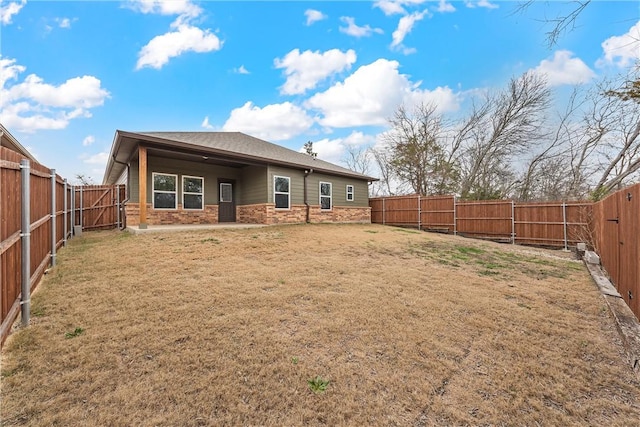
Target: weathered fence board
{"points": [[51, 222]]}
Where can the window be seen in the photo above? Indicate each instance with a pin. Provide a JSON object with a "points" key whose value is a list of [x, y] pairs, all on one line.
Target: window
{"points": [[325, 196], [226, 192], [192, 192], [165, 194], [349, 193], [281, 192]]}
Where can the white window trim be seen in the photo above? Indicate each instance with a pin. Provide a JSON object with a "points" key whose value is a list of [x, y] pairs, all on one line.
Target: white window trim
{"points": [[352, 193], [153, 191], [330, 196], [282, 192], [193, 194]]}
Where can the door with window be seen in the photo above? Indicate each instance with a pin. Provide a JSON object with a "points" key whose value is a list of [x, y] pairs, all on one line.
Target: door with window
{"points": [[226, 201]]}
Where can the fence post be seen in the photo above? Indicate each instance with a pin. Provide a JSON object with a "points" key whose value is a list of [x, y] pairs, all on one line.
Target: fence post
{"points": [[65, 214], [73, 209], [53, 218], [419, 214], [455, 218], [513, 223], [81, 210], [383, 210], [564, 224], [25, 240], [118, 207]]}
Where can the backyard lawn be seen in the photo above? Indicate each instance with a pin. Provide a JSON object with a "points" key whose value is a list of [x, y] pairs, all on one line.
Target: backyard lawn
{"points": [[315, 325]]}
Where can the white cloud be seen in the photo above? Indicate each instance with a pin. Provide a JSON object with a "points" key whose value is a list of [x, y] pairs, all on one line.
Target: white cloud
{"points": [[7, 11], [33, 104], [88, 140], [444, 6], [354, 30], [160, 49], [405, 25], [394, 7], [623, 50], [372, 93], [314, 16], [304, 70], [96, 159], [205, 123], [64, 22], [389, 7], [241, 70], [184, 38], [564, 69], [274, 122], [184, 8], [481, 3], [334, 150]]}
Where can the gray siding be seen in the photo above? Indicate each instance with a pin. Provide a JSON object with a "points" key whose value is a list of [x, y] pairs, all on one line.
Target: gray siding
{"points": [[296, 183], [254, 184], [339, 190], [210, 173]]}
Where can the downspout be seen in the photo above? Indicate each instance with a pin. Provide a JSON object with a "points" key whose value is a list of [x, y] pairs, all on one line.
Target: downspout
{"points": [[306, 195]]}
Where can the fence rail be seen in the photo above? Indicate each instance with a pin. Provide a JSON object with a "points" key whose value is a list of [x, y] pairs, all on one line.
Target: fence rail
{"points": [[39, 211], [560, 224]]}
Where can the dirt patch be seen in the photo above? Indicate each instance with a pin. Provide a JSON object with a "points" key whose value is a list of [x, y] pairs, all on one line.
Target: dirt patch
{"points": [[315, 325]]}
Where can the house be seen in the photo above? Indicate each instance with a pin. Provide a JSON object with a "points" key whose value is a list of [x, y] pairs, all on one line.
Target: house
{"points": [[9, 141], [214, 177]]}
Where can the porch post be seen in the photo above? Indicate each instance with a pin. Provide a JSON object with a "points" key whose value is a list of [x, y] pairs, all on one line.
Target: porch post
{"points": [[142, 185]]}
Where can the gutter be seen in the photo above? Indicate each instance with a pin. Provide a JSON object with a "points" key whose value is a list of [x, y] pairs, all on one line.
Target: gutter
{"points": [[307, 172]]}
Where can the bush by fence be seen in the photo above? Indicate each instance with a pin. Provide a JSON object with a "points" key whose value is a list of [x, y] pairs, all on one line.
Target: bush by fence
{"points": [[38, 211]]}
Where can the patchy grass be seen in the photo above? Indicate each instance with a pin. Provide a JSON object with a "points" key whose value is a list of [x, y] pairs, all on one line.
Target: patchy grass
{"points": [[231, 327]]}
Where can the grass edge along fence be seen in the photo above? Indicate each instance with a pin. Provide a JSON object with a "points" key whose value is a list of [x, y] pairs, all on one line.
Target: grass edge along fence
{"points": [[39, 212], [611, 226]]}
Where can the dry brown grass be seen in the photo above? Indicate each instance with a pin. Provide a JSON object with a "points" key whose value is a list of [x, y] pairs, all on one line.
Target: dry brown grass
{"points": [[227, 327]]}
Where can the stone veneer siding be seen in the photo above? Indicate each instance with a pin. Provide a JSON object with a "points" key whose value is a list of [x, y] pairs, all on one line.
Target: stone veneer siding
{"points": [[266, 213], [262, 213], [209, 215]]}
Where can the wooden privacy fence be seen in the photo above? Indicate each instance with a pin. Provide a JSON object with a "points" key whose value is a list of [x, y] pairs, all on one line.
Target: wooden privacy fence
{"points": [[560, 224], [39, 212], [616, 232]]}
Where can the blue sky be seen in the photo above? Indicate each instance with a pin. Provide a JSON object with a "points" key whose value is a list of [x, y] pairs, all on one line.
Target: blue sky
{"points": [[72, 72]]}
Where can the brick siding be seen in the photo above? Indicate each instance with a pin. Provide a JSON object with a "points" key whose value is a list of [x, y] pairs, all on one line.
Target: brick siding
{"points": [[262, 213], [166, 217]]}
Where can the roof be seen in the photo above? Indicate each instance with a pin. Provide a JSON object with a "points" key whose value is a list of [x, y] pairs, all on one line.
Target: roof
{"points": [[236, 146], [9, 141]]}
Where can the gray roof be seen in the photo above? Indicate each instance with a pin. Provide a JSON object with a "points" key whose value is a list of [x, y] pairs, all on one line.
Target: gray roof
{"points": [[9, 141], [231, 145]]}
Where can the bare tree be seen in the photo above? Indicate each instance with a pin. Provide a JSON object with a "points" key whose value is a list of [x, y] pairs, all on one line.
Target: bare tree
{"points": [[384, 186], [83, 179], [561, 23], [358, 159], [506, 125], [417, 150]]}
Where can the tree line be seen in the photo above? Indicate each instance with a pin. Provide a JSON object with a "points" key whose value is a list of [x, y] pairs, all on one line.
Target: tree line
{"points": [[511, 145]]}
